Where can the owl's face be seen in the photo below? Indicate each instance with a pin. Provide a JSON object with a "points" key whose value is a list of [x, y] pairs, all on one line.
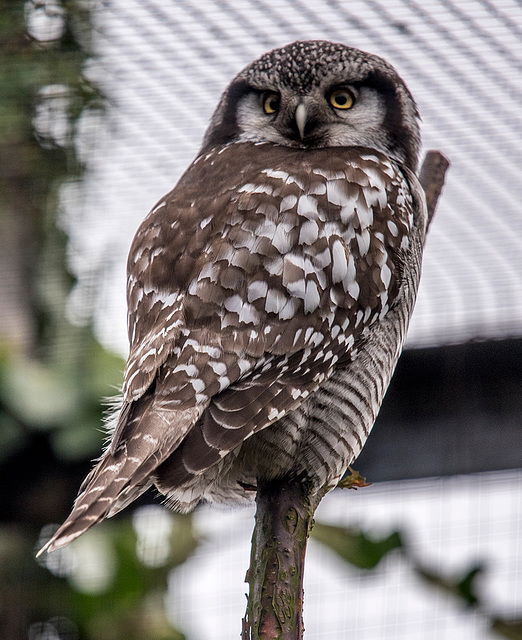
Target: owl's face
{"points": [[318, 94]]}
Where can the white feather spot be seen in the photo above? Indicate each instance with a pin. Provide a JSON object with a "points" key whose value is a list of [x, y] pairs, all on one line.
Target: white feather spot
{"points": [[158, 206], [364, 215], [264, 188], [323, 259], [312, 297], [244, 366], [348, 212], [257, 289], [375, 176], [275, 414], [267, 208], [296, 288], [167, 299], [386, 275], [219, 368], [394, 230], [234, 303], [275, 266], [289, 310], [198, 385], [276, 173], [266, 229], [247, 188], [330, 175], [354, 289], [148, 354], [339, 261], [363, 241], [190, 369], [213, 352], [275, 301], [307, 206], [224, 382], [288, 202], [336, 192], [309, 232], [248, 314], [282, 239], [317, 189]]}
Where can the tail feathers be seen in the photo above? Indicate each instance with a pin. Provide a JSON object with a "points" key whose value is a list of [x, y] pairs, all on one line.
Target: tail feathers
{"points": [[119, 479], [128, 496], [92, 504]]}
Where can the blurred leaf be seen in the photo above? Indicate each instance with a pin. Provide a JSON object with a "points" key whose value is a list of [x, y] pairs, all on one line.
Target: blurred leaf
{"points": [[354, 546], [463, 586], [133, 607], [79, 440], [38, 394], [508, 628], [105, 372]]}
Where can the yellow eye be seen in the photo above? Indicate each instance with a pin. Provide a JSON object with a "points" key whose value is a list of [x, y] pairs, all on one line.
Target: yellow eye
{"points": [[271, 103], [341, 99]]}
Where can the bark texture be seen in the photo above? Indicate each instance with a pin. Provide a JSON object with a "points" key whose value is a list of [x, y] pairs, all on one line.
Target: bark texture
{"points": [[284, 517]]}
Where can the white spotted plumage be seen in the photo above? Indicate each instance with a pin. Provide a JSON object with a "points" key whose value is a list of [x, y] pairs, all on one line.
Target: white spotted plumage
{"points": [[270, 291]]}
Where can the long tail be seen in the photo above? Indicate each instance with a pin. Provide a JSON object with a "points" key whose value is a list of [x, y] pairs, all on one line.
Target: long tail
{"points": [[123, 474]]}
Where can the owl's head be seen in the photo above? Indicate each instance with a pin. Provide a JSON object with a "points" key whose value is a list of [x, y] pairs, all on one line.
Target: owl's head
{"points": [[317, 94]]}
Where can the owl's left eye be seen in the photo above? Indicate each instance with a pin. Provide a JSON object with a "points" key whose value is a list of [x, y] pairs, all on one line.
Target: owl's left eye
{"points": [[341, 99], [271, 103]]}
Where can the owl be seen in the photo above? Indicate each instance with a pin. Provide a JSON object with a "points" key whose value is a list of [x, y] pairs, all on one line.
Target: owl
{"points": [[270, 291]]}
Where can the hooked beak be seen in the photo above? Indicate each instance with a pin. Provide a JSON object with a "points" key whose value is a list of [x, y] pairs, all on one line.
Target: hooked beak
{"points": [[300, 118]]}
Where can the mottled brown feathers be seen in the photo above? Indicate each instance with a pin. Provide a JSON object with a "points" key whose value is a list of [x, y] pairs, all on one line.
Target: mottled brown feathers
{"points": [[269, 292]]}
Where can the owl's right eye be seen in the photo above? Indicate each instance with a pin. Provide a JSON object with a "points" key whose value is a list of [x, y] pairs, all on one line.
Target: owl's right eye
{"points": [[271, 103]]}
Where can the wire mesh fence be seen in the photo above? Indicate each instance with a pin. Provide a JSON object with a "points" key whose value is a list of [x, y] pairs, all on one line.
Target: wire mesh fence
{"points": [[161, 67]]}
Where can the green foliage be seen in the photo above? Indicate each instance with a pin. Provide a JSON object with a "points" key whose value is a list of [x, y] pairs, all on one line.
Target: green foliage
{"points": [[60, 396], [128, 606], [132, 607], [52, 380], [355, 546], [366, 551], [464, 585]]}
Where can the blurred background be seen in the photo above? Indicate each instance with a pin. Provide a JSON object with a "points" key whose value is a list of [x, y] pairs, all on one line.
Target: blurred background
{"points": [[102, 106]]}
